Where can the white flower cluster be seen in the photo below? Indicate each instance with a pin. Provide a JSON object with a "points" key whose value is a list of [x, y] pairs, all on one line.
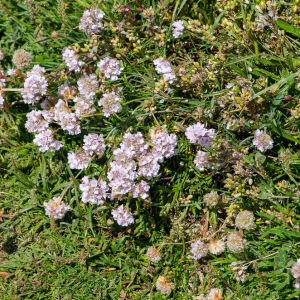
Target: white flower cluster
{"points": [[66, 119], [135, 152], [178, 28], [198, 249], [262, 141], [197, 133], [94, 144], [91, 21], [93, 191], [296, 273], [163, 66], [79, 160], [35, 121], [1, 101], [87, 86], [122, 216], [71, 59], [35, 85], [110, 67], [83, 106], [46, 141], [56, 208], [110, 104]]}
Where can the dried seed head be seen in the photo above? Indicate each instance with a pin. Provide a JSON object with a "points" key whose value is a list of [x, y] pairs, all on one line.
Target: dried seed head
{"points": [[216, 247], [235, 242], [22, 59], [153, 254], [212, 198], [164, 285], [245, 220]]}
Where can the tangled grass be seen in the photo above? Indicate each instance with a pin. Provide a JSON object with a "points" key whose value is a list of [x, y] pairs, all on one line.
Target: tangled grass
{"points": [[149, 149]]}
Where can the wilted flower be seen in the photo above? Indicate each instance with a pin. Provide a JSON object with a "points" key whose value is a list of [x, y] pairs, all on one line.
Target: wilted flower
{"points": [[215, 294], [110, 104], [198, 249], [56, 208], [212, 198], [93, 191], [83, 106], [201, 160], [178, 28], [245, 220], [22, 59], [122, 216], [235, 242], [91, 21], [110, 67], [87, 86], [153, 254], [164, 285], [262, 141], [216, 247]]}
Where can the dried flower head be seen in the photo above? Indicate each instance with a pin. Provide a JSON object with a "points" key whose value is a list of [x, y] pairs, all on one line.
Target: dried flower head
{"points": [[164, 285], [111, 104], [235, 242], [153, 254], [215, 294], [22, 59], [245, 220], [201, 160], [56, 208], [198, 249], [216, 247], [87, 86], [262, 141], [212, 198], [122, 216]]}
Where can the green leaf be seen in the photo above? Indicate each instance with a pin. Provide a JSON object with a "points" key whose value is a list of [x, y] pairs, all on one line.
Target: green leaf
{"points": [[288, 27]]}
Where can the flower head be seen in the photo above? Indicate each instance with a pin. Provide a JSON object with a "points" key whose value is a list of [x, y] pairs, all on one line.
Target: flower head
{"points": [[164, 285], [216, 247], [110, 67], [198, 249], [178, 28], [212, 198], [79, 160], [245, 220], [262, 141], [153, 254], [22, 59], [93, 143], [91, 21], [235, 242], [197, 133], [56, 208], [111, 104], [122, 216]]}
